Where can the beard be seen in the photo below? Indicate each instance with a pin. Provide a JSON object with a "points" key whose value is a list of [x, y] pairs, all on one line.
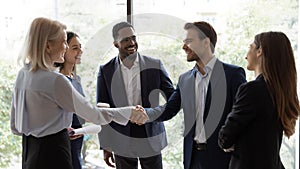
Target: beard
{"points": [[129, 53], [191, 57]]}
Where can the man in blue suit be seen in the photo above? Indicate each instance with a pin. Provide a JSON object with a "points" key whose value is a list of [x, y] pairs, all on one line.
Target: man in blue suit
{"points": [[126, 80], [206, 95]]}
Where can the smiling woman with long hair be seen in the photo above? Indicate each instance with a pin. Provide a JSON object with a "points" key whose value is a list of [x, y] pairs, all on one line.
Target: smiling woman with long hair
{"points": [[43, 100], [72, 57]]}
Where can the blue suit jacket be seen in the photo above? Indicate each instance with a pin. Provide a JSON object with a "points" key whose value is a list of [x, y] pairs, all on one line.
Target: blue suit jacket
{"points": [[110, 89], [224, 82]]}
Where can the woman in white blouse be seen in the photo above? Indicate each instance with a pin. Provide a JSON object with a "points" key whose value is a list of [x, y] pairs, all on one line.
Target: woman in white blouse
{"points": [[43, 98]]}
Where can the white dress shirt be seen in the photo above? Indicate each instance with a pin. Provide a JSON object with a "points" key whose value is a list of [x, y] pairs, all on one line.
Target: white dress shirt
{"points": [[132, 82], [201, 86], [42, 102]]}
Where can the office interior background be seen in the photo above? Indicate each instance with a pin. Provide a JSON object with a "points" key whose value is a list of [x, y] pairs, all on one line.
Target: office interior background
{"points": [[159, 26]]}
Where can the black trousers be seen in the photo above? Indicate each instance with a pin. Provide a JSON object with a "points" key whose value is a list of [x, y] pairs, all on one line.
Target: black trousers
{"points": [[154, 162], [196, 162], [49, 152]]}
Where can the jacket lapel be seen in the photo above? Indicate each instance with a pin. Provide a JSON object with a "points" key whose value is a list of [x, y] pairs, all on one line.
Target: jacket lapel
{"points": [[187, 89], [118, 91], [143, 77], [216, 99]]}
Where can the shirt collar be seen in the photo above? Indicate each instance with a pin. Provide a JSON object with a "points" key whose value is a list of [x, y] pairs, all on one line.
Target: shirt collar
{"points": [[136, 61], [208, 67]]}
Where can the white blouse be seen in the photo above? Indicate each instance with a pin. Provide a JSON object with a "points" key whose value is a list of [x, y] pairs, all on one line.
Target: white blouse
{"points": [[42, 102]]}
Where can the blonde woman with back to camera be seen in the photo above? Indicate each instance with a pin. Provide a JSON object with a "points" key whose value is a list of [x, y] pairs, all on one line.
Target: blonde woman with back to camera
{"points": [[43, 100]]}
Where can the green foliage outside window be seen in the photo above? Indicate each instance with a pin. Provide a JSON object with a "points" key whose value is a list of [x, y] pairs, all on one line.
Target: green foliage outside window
{"points": [[10, 145]]}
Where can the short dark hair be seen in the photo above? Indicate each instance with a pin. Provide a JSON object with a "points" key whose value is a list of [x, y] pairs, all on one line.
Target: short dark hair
{"points": [[118, 27], [205, 30]]}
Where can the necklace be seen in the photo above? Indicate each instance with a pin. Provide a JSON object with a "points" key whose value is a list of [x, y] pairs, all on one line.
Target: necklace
{"points": [[70, 76]]}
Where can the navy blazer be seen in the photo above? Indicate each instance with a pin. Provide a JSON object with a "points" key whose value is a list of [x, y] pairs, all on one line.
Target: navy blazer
{"points": [[254, 128], [110, 89], [224, 82]]}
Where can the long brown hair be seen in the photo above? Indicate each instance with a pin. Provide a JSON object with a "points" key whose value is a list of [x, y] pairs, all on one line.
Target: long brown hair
{"points": [[279, 71]]}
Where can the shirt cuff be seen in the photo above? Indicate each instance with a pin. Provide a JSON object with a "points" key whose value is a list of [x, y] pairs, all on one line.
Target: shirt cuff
{"points": [[121, 115]]}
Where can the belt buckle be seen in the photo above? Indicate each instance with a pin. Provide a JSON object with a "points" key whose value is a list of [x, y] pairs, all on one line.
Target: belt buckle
{"points": [[200, 146]]}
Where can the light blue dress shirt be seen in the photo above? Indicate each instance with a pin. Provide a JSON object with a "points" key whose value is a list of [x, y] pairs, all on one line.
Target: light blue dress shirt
{"points": [[43, 101]]}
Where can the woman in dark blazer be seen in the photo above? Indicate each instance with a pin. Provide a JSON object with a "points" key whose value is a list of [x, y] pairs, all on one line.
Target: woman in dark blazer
{"points": [[265, 108]]}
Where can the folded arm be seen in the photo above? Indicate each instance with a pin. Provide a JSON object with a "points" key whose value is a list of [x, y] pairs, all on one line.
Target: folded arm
{"points": [[243, 112]]}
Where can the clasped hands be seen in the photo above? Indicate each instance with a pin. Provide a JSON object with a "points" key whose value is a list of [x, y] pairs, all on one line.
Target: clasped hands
{"points": [[139, 115]]}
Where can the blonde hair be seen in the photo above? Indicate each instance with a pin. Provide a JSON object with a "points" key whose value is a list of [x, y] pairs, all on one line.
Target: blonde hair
{"points": [[42, 30]]}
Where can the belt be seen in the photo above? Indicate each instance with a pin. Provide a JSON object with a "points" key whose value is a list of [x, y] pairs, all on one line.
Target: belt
{"points": [[200, 146]]}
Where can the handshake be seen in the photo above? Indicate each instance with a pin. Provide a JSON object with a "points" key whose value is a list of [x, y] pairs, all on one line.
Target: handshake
{"points": [[139, 115]]}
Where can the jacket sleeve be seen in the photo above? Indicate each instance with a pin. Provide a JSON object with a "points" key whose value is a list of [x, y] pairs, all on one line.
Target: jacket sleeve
{"points": [[243, 113], [166, 83], [168, 110], [101, 90]]}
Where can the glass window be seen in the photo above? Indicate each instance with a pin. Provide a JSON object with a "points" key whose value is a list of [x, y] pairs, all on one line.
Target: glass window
{"points": [[236, 22], [159, 24]]}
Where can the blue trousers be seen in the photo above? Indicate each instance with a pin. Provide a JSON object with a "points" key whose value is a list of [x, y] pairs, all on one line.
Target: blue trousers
{"points": [[76, 146]]}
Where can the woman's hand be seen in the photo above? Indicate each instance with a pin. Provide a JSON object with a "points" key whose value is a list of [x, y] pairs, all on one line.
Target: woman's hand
{"points": [[72, 135]]}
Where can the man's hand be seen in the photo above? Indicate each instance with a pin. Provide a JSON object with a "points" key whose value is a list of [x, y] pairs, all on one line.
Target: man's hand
{"points": [[138, 115], [108, 155]]}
